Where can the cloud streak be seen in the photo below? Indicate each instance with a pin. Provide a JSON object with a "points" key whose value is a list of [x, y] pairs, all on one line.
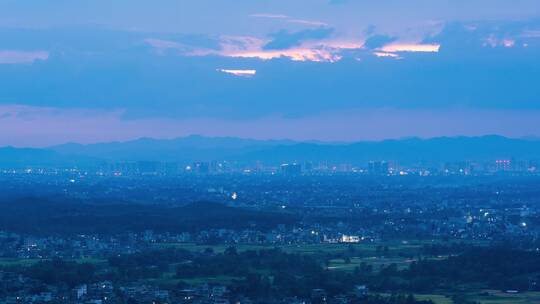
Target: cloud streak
{"points": [[22, 57], [270, 16], [411, 47], [285, 39], [251, 47], [241, 73], [289, 19]]}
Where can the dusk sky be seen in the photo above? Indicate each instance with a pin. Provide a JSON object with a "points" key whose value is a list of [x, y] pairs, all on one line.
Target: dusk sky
{"points": [[341, 70]]}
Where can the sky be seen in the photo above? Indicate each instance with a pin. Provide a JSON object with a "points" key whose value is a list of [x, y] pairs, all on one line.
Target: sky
{"points": [[334, 70]]}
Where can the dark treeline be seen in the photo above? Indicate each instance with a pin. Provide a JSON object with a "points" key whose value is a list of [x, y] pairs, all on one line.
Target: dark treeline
{"points": [[496, 267], [60, 272], [258, 274], [45, 217], [291, 274], [272, 271]]}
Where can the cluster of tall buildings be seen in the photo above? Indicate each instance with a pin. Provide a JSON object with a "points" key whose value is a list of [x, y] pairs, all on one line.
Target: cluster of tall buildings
{"points": [[375, 168]]}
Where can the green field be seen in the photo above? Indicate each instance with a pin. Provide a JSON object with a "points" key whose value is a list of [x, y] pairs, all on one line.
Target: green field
{"points": [[17, 262], [364, 248], [221, 280], [399, 252], [28, 262], [217, 248], [376, 262], [90, 260], [499, 297], [437, 299], [169, 279], [485, 297]]}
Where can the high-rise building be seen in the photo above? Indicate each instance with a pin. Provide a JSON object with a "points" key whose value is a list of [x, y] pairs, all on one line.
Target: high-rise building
{"points": [[378, 167], [201, 167], [291, 169], [503, 165], [148, 167]]}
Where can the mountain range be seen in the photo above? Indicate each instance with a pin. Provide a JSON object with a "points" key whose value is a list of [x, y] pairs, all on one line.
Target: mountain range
{"points": [[199, 148]]}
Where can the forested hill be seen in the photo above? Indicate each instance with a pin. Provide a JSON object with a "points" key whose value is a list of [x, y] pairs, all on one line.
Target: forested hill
{"points": [[42, 216]]}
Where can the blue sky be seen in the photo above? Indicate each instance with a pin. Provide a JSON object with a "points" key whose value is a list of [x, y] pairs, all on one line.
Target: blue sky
{"points": [[91, 71]]}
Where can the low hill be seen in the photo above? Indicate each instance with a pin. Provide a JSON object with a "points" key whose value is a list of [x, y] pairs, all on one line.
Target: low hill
{"points": [[54, 216]]}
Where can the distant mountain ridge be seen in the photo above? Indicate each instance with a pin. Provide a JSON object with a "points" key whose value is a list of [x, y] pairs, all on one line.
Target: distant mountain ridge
{"points": [[438, 149], [199, 148], [192, 147]]}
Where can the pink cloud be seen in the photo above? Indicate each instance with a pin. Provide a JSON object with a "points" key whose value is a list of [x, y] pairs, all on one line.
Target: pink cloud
{"points": [[18, 57], [251, 47], [295, 54], [411, 47], [318, 51], [493, 42], [327, 50]]}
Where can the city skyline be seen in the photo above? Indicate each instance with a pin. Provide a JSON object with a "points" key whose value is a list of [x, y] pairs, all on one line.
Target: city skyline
{"points": [[269, 151]]}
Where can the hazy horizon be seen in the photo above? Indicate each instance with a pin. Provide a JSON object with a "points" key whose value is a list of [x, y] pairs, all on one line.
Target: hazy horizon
{"points": [[277, 140], [338, 71]]}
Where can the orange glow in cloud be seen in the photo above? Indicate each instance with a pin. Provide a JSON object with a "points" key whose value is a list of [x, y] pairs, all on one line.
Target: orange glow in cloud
{"points": [[329, 50], [322, 51], [297, 54], [411, 47], [251, 47]]}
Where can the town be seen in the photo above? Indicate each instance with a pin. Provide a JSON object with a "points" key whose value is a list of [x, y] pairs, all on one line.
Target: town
{"points": [[72, 236]]}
